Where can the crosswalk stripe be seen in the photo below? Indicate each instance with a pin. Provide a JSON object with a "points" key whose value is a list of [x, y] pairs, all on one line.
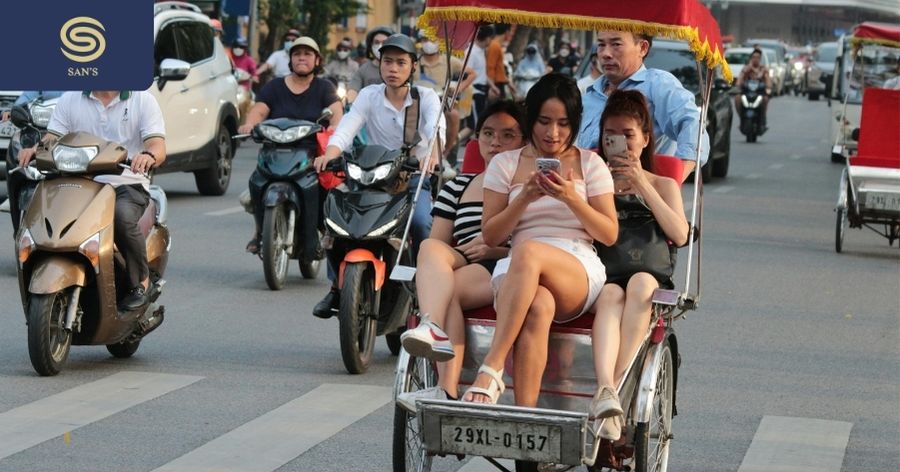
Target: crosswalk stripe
{"points": [[56, 415], [279, 436], [785, 444]]}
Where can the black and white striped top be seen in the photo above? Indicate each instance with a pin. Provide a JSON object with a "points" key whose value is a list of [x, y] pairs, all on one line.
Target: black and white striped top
{"points": [[466, 216]]}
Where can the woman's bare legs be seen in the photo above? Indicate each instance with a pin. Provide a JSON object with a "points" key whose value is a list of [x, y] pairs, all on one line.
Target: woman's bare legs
{"points": [[605, 332], [635, 319], [435, 292], [533, 263], [473, 290], [530, 351]]}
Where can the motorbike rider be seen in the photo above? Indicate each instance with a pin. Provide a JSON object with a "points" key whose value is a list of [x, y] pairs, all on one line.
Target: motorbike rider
{"points": [[676, 117], [564, 61], [134, 120], [341, 68], [530, 68], [280, 61], [381, 108], [369, 72], [754, 70], [244, 61], [301, 96], [432, 72]]}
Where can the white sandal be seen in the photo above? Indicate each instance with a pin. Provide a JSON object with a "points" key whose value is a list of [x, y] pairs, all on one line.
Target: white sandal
{"points": [[494, 389]]}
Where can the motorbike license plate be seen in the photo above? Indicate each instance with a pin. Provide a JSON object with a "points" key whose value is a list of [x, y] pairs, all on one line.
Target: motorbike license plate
{"points": [[7, 129], [883, 201], [488, 438]]}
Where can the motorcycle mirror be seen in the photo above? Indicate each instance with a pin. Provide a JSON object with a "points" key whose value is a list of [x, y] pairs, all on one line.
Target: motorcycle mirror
{"points": [[20, 116], [326, 114]]}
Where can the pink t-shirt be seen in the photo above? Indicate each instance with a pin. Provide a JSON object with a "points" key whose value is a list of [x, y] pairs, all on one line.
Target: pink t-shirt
{"points": [[547, 216]]}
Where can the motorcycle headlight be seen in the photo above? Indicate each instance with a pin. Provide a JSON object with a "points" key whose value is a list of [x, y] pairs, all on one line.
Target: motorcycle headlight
{"points": [[74, 159], [284, 136], [355, 172], [336, 227], [40, 115], [382, 229], [798, 66], [382, 171]]}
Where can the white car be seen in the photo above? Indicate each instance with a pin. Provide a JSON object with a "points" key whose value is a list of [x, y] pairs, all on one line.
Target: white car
{"points": [[195, 86], [737, 58]]}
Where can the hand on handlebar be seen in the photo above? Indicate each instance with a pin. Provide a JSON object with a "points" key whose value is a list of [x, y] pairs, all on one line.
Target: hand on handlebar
{"points": [[321, 163], [142, 163], [245, 129], [25, 155]]}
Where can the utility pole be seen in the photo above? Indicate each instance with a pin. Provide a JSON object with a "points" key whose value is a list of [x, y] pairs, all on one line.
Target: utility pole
{"points": [[252, 36]]}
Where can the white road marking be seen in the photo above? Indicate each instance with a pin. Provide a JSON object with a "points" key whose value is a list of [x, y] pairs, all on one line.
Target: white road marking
{"points": [[57, 415], [480, 464], [776, 166], [227, 211], [785, 444], [281, 435], [753, 176], [723, 189]]}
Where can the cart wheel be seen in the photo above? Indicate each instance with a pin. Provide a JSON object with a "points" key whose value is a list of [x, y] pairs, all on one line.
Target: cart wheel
{"points": [[413, 373], [652, 439], [840, 229]]}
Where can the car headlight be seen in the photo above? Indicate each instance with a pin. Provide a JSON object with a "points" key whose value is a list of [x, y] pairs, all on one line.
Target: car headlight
{"points": [[284, 136], [336, 227], [40, 115], [74, 159], [355, 172], [382, 229]]}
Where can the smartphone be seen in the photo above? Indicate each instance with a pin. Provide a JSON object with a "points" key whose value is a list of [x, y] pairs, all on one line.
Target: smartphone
{"points": [[546, 164], [614, 145]]}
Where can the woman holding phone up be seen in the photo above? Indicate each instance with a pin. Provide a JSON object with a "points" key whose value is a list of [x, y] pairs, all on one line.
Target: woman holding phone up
{"points": [[651, 216], [552, 218]]}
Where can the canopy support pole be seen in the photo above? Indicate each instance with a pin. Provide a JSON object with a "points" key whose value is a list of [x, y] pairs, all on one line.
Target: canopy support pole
{"points": [[697, 205]]}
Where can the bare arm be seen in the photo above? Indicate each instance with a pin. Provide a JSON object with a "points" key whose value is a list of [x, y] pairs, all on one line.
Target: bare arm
{"points": [[337, 112], [442, 230], [500, 217], [257, 114]]}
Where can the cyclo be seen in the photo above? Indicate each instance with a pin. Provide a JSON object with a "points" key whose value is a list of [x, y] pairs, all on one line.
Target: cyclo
{"points": [[559, 430], [869, 189]]}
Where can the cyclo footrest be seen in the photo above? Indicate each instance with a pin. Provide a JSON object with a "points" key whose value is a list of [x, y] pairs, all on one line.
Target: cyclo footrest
{"points": [[501, 431]]}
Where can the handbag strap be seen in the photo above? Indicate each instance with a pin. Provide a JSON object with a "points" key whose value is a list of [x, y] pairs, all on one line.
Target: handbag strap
{"points": [[411, 120]]}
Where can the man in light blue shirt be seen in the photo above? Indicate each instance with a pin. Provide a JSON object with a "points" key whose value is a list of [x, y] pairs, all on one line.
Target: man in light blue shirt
{"points": [[676, 117]]}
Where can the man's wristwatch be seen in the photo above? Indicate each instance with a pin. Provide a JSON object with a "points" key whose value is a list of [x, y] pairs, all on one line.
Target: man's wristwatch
{"points": [[149, 154]]}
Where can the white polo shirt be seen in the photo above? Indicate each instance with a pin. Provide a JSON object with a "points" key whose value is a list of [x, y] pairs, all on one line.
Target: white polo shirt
{"points": [[384, 123], [128, 122], [280, 62]]}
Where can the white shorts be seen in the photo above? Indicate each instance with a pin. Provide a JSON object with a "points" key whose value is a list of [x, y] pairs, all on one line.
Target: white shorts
{"points": [[582, 250]]}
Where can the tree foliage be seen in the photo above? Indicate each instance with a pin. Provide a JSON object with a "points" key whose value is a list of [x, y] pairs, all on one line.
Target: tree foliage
{"points": [[319, 15]]}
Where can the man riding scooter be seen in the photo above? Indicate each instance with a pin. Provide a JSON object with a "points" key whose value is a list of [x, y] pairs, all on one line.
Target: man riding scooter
{"points": [[134, 120], [301, 95], [754, 70], [381, 109]]}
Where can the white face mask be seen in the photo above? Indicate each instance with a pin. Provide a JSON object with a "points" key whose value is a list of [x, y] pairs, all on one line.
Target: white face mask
{"points": [[343, 54], [238, 52], [563, 53], [376, 50], [287, 45], [429, 48]]}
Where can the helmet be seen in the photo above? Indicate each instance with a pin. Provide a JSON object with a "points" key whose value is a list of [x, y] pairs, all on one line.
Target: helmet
{"points": [[216, 25], [385, 30], [240, 43], [292, 32], [305, 41], [401, 42]]}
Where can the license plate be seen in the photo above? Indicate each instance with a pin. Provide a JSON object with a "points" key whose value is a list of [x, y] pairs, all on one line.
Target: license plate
{"points": [[488, 438], [7, 129], [883, 201]]}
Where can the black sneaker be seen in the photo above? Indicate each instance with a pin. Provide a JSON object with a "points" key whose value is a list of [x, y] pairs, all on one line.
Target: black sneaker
{"points": [[329, 305], [135, 299]]}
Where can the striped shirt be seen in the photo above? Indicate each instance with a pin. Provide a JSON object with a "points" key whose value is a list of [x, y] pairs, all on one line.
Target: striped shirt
{"points": [[466, 216]]}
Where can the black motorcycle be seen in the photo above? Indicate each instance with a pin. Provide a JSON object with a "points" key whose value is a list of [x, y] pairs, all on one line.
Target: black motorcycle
{"points": [[753, 93], [290, 197], [366, 219]]}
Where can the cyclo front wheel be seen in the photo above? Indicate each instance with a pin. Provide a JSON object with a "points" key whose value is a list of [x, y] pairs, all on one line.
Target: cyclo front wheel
{"points": [[357, 320], [652, 439], [413, 373]]}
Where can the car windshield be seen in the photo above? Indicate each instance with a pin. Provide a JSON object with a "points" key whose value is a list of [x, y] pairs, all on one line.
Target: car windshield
{"points": [[737, 57], [826, 53], [681, 64]]}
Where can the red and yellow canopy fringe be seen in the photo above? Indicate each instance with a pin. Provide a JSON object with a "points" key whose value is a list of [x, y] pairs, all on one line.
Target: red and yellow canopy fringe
{"points": [[882, 34], [685, 20]]}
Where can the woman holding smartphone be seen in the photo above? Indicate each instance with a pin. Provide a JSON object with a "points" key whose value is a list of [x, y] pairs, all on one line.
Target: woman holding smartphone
{"points": [[552, 219], [622, 311]]}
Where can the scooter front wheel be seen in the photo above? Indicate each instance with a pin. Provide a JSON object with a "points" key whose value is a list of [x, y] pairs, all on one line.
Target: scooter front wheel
{"points": [[274, 246], [357, 317], [48, 339]]}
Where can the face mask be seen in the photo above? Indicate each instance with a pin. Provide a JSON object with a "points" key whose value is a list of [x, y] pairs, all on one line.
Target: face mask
{"points": [[238, 52], [343, 55], [563, 53], [376, 50], [287, 45], [530, 51], [430, 48]]}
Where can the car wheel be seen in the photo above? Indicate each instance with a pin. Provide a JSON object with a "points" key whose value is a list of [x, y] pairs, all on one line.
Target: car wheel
{"points": [[214, 180]]}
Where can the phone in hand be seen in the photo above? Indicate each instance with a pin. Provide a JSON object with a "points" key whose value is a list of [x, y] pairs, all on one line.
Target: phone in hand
{"points": [[547, 164], [614, 145]]}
